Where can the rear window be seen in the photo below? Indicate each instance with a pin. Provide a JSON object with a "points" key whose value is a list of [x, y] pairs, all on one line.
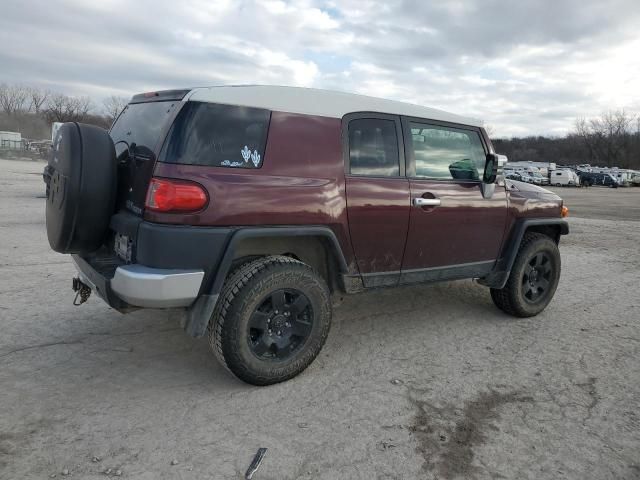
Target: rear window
{"points": [[373, 147], [140, 124], [218, 136]]}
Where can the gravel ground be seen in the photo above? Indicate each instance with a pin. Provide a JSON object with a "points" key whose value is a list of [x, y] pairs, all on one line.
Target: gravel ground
{"points": [[419, 382], [602, 203]]}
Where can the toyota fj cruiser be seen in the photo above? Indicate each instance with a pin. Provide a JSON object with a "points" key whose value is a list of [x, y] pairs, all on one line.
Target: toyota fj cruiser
{"points": [[245, 208]]}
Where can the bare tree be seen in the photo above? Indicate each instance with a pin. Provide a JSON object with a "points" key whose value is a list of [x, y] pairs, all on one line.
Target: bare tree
{"points": [[63, 108], [13, 98], [37, 98], [606, 137], [81, 107], [583, 131], [57, 108], [112, 106]]}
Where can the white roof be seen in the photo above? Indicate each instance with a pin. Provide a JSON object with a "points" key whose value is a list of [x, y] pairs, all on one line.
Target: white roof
{"points": [[312, 101]]}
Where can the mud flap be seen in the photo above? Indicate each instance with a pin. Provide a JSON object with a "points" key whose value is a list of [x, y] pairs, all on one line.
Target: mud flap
{"points": [[196, 318]]}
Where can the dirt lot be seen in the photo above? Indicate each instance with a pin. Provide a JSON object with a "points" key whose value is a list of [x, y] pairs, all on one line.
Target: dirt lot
{"points": [[602, 203], [422, 382]]}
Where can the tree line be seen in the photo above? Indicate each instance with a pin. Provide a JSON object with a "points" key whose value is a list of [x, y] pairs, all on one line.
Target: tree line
{"points": [[31, 110], [610, 140]]}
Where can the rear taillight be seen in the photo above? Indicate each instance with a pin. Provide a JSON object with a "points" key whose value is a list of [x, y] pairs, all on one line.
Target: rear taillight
{"points": [[165, 195]]}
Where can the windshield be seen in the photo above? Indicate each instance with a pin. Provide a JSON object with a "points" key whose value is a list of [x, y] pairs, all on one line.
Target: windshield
{"points": [[140, 125]]}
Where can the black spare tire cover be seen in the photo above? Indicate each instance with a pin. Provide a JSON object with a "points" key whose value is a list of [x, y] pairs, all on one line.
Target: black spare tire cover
{"points": [[81, 188]]}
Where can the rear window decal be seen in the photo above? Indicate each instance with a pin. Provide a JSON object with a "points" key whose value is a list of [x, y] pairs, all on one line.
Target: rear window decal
{"points": [[246, 153], [228, 163], [255, 158]]}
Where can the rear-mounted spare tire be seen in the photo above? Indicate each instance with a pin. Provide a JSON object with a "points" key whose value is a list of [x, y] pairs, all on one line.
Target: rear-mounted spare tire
{"points": [[81, 182]]}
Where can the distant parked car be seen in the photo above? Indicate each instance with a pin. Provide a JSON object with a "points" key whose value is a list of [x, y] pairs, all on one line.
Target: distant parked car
{"points": [[539, 179], [528, 177], [522, 177], [590, 179]]}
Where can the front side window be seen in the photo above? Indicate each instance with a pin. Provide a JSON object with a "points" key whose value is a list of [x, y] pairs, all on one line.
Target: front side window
{"points": [[373, 147], [218, 136], [445, 153]]}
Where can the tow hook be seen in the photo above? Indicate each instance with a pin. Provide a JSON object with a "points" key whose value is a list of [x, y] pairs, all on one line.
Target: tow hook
{"points": [[82, 292]]}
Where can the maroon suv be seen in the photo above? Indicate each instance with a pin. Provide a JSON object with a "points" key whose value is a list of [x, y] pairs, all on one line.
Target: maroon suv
{"points": [[246, 208]]}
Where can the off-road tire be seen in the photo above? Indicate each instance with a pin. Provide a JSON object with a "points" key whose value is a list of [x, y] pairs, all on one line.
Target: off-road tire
{"points": [[511, 298], [242, 293], [81, 179]]}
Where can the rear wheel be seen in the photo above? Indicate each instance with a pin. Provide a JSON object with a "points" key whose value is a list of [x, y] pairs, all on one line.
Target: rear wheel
{"points": [[271, 321], [533, 279]]}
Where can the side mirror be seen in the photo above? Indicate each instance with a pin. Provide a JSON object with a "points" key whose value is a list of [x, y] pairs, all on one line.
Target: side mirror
{"points": [[493, 167]]}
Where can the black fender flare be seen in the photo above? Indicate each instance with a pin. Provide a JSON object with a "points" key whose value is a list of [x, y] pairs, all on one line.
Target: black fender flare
{"points": [[199, 314], [501, 271]]}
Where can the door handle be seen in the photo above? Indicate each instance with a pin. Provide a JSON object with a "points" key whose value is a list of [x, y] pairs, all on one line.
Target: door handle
{"points": [[426, 202]]}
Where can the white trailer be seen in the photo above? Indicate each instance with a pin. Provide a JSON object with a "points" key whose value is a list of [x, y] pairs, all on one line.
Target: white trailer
{"points": [[10, 141], [623, 176], [564, 177]]}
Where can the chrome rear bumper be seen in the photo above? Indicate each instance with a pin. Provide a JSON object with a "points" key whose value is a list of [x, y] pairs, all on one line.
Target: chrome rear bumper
{"points": [[142, 286]]}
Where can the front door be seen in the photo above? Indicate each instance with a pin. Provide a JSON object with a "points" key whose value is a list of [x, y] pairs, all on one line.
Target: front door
{"points": [[377, 195], [455, 231]]}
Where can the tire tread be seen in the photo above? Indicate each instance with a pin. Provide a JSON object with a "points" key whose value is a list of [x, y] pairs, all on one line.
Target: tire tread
{"points": [[239, 279], [505, 298]]}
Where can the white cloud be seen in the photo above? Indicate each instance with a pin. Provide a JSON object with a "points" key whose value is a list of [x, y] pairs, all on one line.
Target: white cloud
{"points": [[524, 67]]}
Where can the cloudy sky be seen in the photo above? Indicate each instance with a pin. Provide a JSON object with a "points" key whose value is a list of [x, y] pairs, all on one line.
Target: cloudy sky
{"points": [[525, 67]]}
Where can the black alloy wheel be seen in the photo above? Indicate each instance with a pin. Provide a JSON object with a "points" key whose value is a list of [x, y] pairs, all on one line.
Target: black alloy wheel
{"points": [[536, 278], [280, 325]]}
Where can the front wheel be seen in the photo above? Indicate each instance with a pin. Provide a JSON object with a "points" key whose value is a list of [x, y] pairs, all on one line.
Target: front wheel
{"points": [[271, 321], [533, 279]]}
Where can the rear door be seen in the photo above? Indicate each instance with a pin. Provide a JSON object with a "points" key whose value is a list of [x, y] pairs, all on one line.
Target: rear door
{"points": [[455, 232], [138, 134], [377, 195]]}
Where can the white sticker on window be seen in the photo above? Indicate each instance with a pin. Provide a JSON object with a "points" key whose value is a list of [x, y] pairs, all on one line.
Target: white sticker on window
{"points": [[228, 163], [246, 153], [255, 158]]}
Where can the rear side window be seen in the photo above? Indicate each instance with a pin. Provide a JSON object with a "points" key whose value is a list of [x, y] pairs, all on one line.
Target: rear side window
{"points": [[218, 136], [447, 153], [373, 147]]}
